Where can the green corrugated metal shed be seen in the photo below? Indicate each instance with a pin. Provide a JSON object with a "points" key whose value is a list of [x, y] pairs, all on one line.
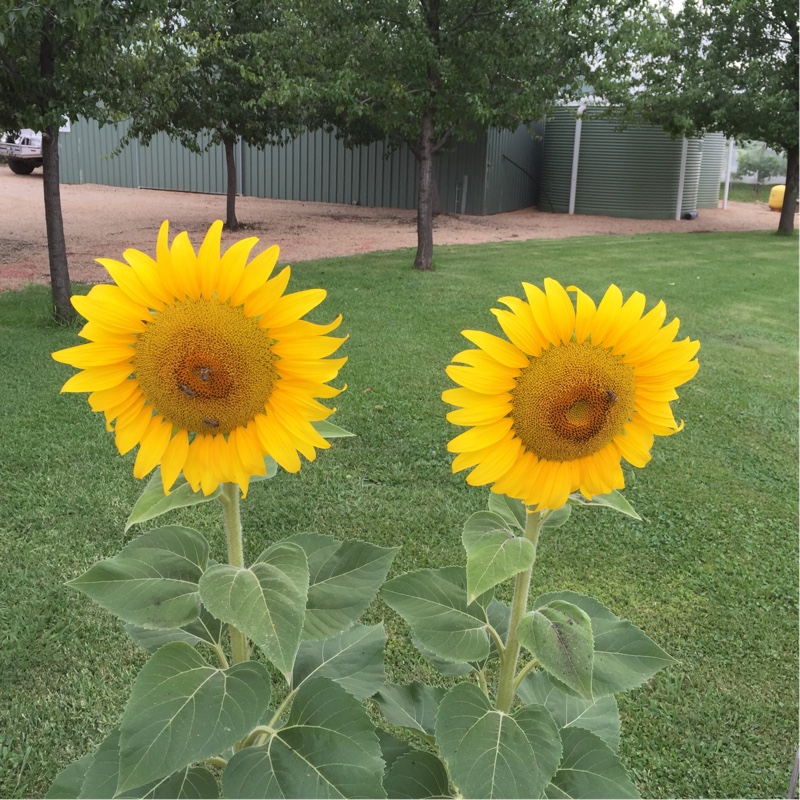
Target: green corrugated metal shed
{"points": [[635, 172], [495, 172], [711, 170]]}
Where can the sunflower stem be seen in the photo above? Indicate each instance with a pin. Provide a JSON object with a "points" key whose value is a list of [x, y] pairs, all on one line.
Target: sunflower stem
{"points": [[233, 533], [519, 605]]}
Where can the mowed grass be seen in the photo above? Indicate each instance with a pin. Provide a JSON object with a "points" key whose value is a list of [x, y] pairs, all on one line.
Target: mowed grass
{"points": [[746, 192], [711, 574]]}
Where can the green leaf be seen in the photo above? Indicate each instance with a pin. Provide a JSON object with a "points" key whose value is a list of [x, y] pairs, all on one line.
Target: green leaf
{"points": [[205, 628], [614, 500], [434, 603], [266, 602], [354, 659], [327, 748], [330, 431], [624, 656], [413, 706], [494, 552], [601, 717], [152, 581], [512, 510], [559, 634], [181, 711], [417, 775], [453, 669], [344, 579], [153, 502], [493, 754], [67, 784], [557, 518], [103, 775], [391, 747], [590, 768]]}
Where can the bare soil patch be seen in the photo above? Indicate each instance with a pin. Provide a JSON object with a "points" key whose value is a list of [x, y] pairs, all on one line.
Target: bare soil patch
{"points": [[103, 221]]}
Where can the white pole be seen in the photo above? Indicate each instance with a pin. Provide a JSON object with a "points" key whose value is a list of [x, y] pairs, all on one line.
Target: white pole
{"points": [[576, 151], [682, 179], [728, 173]]}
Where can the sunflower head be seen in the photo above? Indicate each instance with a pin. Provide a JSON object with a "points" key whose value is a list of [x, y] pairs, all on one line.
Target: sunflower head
{"points": [[574, 388], [203, 360]]}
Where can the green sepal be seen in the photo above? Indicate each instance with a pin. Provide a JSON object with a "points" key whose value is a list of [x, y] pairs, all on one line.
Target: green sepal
{"points": [[434, 603], [416, 775], [330, 431], [354, 659], [344, 579], [152, 581], [493, 754], [326, 748], [559, 635], [614, 500], [589, 768], [413, 706], [267, 602], [181, 710], [510, 509], [494, 552], [600, 716], [624, 656]]}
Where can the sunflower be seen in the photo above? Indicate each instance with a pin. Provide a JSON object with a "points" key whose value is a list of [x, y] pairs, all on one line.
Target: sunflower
{"points": [[575, 389], [204, 362]]}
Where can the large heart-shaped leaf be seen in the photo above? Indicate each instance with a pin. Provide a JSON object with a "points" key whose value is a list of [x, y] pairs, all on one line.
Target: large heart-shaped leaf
{"points": [[589, 768], [413, 706], [416, 775], [327, 748], [494, 552], [344, 580], [434, 603], [152, 581], [67, 784], [354, 659], [624, 657], [181, 711], [511, 509], [205, 628], [266, 602], [493, 754], [559, 634], [600, 716]]}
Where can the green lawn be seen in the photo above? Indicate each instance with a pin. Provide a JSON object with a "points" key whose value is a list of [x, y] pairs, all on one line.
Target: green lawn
{"points": [[711, 574], [746, 192]]}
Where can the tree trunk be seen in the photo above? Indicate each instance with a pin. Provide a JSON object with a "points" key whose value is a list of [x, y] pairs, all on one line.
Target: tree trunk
{"points": [[231, 223], [424, 154], [56, 246], [786, 223]]}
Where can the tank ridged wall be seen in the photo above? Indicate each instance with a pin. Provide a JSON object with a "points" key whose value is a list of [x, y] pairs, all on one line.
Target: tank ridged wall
{"points": [[711, 170], [315, 167]]}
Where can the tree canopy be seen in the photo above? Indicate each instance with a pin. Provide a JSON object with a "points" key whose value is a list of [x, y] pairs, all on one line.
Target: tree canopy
{"points": [[715, 65]]}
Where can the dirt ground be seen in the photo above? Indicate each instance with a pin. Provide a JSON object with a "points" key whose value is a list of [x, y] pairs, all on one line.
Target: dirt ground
{"points": [[103, 221]]}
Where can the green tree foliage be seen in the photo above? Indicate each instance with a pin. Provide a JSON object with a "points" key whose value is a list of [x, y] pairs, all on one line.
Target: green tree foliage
{"points": [[222, 68], [58, 60], [757, 160], [427, 72], [716, 65]]}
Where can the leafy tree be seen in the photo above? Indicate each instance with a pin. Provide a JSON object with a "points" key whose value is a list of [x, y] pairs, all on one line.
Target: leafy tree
{"points": [[218, 67], [757, 160], [426, 72], [58, 61], [715, 65]]}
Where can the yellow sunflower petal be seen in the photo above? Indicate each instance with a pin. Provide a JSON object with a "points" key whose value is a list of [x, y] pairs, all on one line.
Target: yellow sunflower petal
{"points": [[174, 458], [481, 436], [264, 298], [152, 446], [291, 307], [130, 428], [208, 260], [94, 354], [232, 267], [96, 378], [499, 349], [255, 275]]}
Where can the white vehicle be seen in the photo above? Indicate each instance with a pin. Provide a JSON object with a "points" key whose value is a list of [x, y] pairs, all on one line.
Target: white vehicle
{"points": [[24, 152]]}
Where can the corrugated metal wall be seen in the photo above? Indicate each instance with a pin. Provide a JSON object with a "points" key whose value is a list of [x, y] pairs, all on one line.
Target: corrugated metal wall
{"points": [[632, 173], [314, 167], [711, 170]]}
